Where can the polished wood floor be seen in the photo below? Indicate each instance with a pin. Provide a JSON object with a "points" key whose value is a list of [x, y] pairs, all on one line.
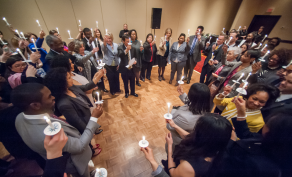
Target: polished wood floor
{"points": [[126, 120]]}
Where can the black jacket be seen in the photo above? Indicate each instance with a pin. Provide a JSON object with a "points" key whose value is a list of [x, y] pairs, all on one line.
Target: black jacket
{"points": [[52, 54], [76, 112], [217, 53], [56, 167], [258, 37], [243, 33], [148, 53], [284, 106], [122, 33], [87, 47], [124, 59]]}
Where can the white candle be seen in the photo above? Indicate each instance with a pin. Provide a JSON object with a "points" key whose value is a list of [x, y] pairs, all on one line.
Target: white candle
{"points": [[240, 77], [18, 33], [97, 24], [154, 37], [69, 34], [188, 32], [165, 38], [264, 47], [212, 55], [245, 84], [247, 77], [58, 30], [5, 21], [39, 24], [229, 40], [97, 93], [19, 51], [92, 32], [223, 30], [210, 39], [239, 28], [98, 171], [144, 141], [2, 42], [168, 105], [22, 35], [79, 23], [34, 44], [49, 122], [266, 54], [199, 32], [106, 31], [265, 38], [141, 43]]}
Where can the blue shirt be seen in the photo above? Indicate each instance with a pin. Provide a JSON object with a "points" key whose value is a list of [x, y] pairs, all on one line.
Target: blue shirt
{"points": [[43, 53]]}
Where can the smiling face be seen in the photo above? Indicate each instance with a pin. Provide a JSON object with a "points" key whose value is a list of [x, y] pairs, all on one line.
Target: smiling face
{"points": [[133, 35], [258, 100], [274, 61], [181, 39], [18, 67], [249, 37], [286, 85], [149, 39]]}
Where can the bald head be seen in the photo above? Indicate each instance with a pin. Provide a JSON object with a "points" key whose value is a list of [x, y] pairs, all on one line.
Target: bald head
{"points": [[55, 43]]}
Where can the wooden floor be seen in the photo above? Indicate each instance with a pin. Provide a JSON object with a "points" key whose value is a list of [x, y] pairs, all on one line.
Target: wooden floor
{"points": [[126, 120]]}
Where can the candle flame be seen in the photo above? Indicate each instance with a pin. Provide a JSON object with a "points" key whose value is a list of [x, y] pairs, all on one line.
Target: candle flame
{"points": [[16, 31], [46, 118], [268, 51], [68, 31], [17, 50], [168, 104], [242, 74], [143, 137], [97, 170]]}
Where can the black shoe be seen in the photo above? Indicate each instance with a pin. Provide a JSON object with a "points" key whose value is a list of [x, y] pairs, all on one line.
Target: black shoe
{"points": [[135, 95], [105, 90], [98, 131], [159, 78], [188, 82], [119, 91], [176, 84], [148, 78], [185, 78], [170, 82], [137, 83], [142, 79], [162, 78], [126, 95]]}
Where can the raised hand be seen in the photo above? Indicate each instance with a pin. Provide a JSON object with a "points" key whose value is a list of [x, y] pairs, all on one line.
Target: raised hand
{"points": [[97, 112], [35, 56], [255, 67], [240, 105], [55, 144], [42, 34], [225, 48], [227, 89], [30, 71], [180, 90]]}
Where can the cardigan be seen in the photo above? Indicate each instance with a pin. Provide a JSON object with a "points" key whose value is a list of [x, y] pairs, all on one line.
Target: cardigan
{"points": [[162, 49], [254, 118]]}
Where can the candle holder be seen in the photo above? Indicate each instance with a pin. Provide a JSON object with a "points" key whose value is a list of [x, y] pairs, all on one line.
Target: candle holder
{"points": [[168, 116], [143, 143], [35, 48], [99, 102], [50, 131], [241, 91], [180, 82], [101, 173]]}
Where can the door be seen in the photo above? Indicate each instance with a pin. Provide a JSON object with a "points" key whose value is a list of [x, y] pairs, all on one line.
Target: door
{"points": [[268, 21]]}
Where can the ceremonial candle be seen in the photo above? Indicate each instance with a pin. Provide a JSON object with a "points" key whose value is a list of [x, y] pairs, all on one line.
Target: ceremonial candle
{"points": [[189, 32], [239, 28], [168, 104], [266, 54], [141, 43], [245, 84], [18, 33], [199, 32], [97, 93], [58, 30], [247, 76], [21, 54], [264, 47], [2, 41], [182, 78], [79, 23], [39, 24], [92, 32], [165, 38], [240, 77], [34, 44], [105, 31], [264, 38], [97, 24], [154, 38], [98, 171], [210, 39], [69, 34], [229, 40], [260, 44], [5, 21], [212, 55], [144, 141], [49, 122]]}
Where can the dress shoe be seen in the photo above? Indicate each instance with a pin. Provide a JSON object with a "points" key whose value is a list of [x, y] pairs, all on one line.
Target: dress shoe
{"points": [[176, 84], [98, 131], [142, 79], [119, 91], [148, 78], [159, 78], [105, 90], [188, 82], [185, 78], [126, 95], [135, 95], [170, 82], [137, 83], [162, 78]]}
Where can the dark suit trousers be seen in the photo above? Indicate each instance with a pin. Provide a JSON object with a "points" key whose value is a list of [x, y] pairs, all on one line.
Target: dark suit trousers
{"points": [[189, 68], [177, 67], [146, 66], [205, 71], [129, 75], [113, 78]]}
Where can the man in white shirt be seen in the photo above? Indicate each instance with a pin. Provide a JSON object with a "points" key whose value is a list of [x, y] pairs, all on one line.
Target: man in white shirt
{"points": [[234, 37], [36, 101], [283, 104]]}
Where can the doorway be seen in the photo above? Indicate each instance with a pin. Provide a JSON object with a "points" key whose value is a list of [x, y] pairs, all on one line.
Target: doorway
{"points": [[268, 21]]}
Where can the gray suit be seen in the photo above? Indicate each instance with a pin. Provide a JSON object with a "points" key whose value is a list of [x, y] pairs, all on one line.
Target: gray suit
{"points": [[184, 118], [195, 57], [31, 131]]}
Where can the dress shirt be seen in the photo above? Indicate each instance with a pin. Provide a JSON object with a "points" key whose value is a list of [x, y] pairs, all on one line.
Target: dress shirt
{"points": [[283, 97], [41, 116], [93, 46]]}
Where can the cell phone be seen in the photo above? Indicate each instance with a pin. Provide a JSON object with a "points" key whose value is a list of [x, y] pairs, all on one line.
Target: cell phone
{"points": [[6, 49]]}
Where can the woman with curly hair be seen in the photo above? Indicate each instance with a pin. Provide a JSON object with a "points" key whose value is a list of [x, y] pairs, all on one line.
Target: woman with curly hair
{"points": [[263, 72], [197, 103]]}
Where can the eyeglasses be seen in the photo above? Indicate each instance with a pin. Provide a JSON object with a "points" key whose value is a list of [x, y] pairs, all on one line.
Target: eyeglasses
{"points": [[20, 65], [274, 59]]}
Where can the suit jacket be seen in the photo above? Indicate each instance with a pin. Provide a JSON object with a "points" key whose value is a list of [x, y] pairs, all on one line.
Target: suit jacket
{"points": [[162, 49], [31, 131], [124, 59], [180, 54], [196, 56], [122, 33], [56, 167], [110, 55], [284, 106], [76, 112], [86, 61], [148, 53], [87, 47], [217, 53], [52, 54]]}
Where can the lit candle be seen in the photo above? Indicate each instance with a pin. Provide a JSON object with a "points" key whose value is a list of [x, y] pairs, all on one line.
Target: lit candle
{"points": [[260, 44], [69, 34], [18, 33], [212, 56], [98, 171], [245, 84], [49, 122], [223, 30], [168, 104], [141, 43], [264, 47], [265, 38], [6, 21], [247, 77], [239, 28], [97, 24], [165, 38], [229, 40], [58, 30], [79, 23], [39, 24], [19, 51], [22, 35], [106, 31], [188, 32], [182, 78], [144, 141], [199, 32], [154, 37], [266, 54], [240, 77], [97, 93], [34, 44], [92, 32], [210, 39]]}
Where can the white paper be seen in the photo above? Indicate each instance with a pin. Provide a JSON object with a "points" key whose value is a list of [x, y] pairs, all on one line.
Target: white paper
{"points": [[131, 62]]}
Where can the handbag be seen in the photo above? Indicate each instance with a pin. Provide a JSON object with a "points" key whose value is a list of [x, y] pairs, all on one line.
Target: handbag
{"points": [[214, 87]]}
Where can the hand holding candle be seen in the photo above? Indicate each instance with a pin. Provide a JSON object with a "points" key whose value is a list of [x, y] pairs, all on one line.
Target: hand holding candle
{"points": [[39, 24], [49, 122], [35, 47], [265, 38], [143, 143]]}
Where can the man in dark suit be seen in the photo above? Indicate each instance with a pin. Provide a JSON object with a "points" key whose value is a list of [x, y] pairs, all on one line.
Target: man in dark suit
{"points": [[127, 73], [196, 43], [125, 31], [216, 49], [283, 104], [57, 48]]}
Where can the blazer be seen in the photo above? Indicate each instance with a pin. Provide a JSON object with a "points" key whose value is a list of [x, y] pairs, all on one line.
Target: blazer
{"points": [[76, 112], [148, 53], [86, 61], [110, 55], [180, 54], [31, 132], [284, 106], [196, 56], [184, 118], [124, 58], [162, 49], [217, 53]]}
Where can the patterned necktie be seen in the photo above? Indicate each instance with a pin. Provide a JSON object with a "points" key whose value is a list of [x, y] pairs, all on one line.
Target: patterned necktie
{"points": [[193, 46]]}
